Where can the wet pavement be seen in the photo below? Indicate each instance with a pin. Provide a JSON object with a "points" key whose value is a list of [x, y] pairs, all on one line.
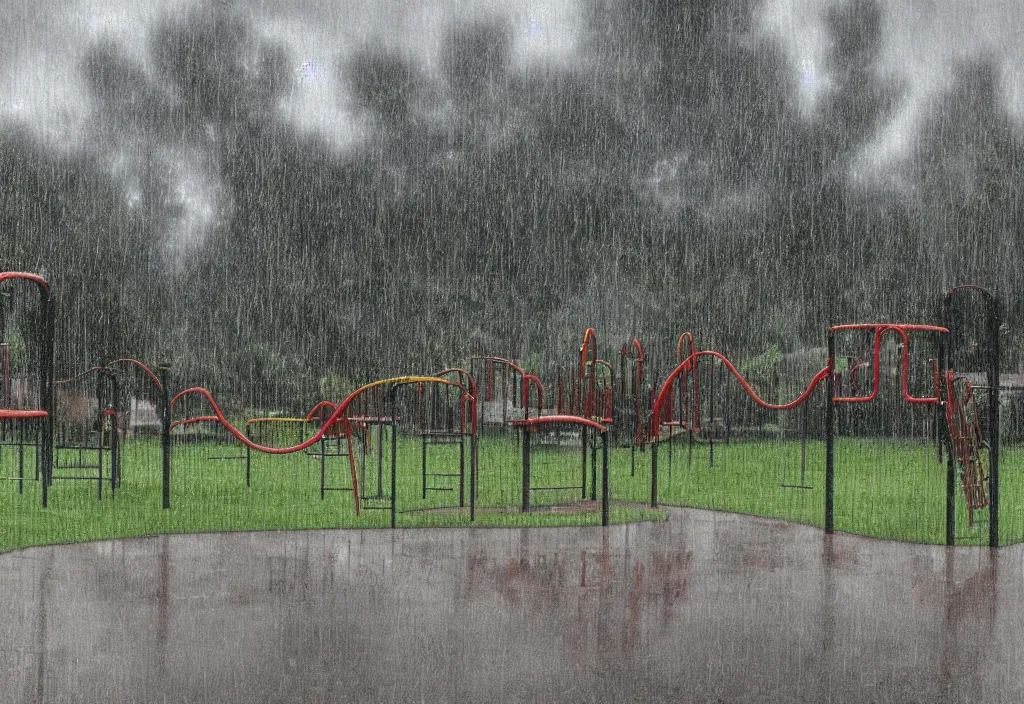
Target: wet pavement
{"points": [[705, 607]]}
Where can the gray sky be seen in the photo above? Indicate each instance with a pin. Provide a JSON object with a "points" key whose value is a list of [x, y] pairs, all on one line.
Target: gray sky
{"points": [[923, 41], [42, 43]]}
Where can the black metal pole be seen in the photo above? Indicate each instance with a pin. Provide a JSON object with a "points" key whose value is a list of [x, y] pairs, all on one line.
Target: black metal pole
{"points": [[711, 416], [604, 478], [46, 392], [472, 477], [583, 436], [943, 432], [593, 468], [829, 439], [115, 445], [654, 472], [423, 464], [803, 444], [994, 321], [526, 470], [462, 470], [394, 469], [323, 467], [164, 374]]}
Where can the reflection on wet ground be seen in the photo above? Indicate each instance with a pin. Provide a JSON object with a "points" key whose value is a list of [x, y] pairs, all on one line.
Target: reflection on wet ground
{"points": [[705, 607]]}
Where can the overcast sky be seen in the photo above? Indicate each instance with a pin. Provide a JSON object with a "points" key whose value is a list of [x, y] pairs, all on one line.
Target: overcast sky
{"points": [[41, 44]]}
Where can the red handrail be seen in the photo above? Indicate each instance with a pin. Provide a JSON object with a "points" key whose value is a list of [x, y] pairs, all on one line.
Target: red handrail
{"points": [[567, 419], [34, 278], [690, 361], [589, 336], [149, 372], [90, 370], [902, 330], [337, 415]]}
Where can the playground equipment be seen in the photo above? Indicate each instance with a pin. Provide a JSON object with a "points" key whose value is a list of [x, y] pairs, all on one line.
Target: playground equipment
{"points": [[631, 404], [86, 436], [445, 421], [961, 426], [552, 471], [967, 443], [385, 499], [65, 426], [505, 391], [26, 421]]}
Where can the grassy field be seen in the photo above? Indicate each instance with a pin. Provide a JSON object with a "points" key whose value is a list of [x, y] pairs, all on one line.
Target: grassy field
{"points": [[884, 489], [211, 495]]}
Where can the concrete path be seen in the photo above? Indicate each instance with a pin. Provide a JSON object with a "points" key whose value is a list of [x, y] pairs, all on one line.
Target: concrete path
{"points": [[706, 607]]}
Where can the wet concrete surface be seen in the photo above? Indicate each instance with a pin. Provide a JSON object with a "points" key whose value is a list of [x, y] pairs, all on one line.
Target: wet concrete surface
{"points": [[705, 607]]}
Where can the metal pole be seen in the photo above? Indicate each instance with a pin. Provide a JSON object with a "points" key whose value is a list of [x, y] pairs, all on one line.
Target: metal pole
{"points": [[46, 391], [593, 469], [942, 430], [472, 477], [394, 468], [163, 372], [711, 416], [115, 445], [526, 470], [654, 473], [994, 320], [583, 436], [604, 478], [829, 439], [99, 451], [462, 470]]}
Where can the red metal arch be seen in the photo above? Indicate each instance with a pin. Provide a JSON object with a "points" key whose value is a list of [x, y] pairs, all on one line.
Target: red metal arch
{"points": [[148, 372], [566, 419], [588, 372], [901, 330], [689, 363], [527, 380], [34, 278], [337, 415]]}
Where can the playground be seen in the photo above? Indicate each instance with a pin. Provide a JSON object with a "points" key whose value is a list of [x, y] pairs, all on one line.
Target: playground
{"points": [[672, 524], [891, 431]]}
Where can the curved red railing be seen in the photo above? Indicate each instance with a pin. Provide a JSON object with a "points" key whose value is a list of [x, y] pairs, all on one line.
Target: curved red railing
{"points": [[638, 382], [14, 414], [90, 370], [588, 349], [149, 372], [531, 380], [686, 366], [194, 419], [687, 337], [880, 330], [25, 276], [321, 406], [337, 415], [972, 287], [567, 419], [525, 389], [463, 376]]}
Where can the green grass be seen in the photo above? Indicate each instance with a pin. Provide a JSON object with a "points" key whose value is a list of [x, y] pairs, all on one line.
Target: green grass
{"points": [[211, 495], [885, 489]]}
